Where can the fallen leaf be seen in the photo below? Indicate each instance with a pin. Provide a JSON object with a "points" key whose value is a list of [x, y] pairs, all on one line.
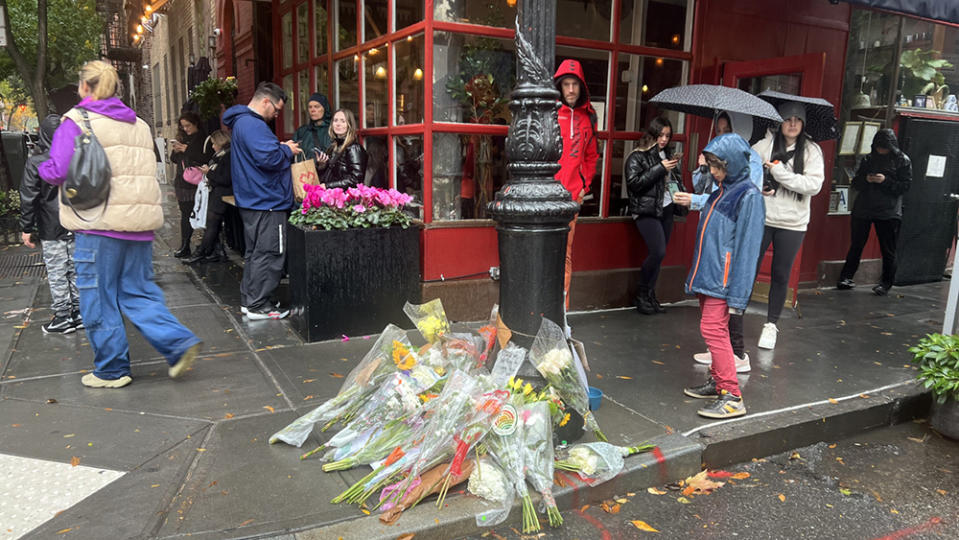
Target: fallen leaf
{"points": [[68, 435], [245, 523], [833, 445], [643, 526], [267, 407], [584, 508], [740, 476], [201, 449], [845, 491], [876, 495], [154, 485], [917, 440], [74, 461], [64, 530], [407, 536], [335, 375], [893, 511], [308, 380], [598, 376], [782, 498], [658, 363], [610, 507], [841, 462], [656, 491], [624, 377], [228, 415], [630, 494], [51, 400], [682, 500], [864, 396], [701, 484], [795, 455], [309, 397], [942, 492], [886, 333], [15, 425], [833, 401], [622, 501]]}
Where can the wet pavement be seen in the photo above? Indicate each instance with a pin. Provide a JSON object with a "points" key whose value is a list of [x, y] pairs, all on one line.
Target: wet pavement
{"points": [[194, 452]]}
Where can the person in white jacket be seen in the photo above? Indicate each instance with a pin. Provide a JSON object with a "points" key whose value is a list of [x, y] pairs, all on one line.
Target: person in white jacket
{"points": [[794, 174]]}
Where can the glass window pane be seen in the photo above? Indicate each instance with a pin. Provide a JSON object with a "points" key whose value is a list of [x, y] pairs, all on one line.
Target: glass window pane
{"points": [[319, 26], [593, 199], [345, 33], [407, 12], [408, 59], [374, 18], [322, 81], [790, 83], [302, 32], [588, 20], [596, 70], [484, 66], [665, 24], [302, 113], [468, 170], [289, 108], [377, 163], [485, 12], [375, 80], [408, 156], [286, 28], [347, 85], [638, 79]]}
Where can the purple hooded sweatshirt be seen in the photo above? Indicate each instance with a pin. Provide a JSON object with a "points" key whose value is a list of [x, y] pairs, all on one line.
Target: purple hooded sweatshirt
{"points": [[55, 169]]}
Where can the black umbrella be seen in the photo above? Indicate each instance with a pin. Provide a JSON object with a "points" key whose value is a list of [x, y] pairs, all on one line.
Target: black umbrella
{"points": [[820, 124], [708, 100]]}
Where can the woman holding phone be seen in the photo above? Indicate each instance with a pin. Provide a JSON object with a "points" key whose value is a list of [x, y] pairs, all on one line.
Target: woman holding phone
{"points": [[343, 165], [651, 178]]}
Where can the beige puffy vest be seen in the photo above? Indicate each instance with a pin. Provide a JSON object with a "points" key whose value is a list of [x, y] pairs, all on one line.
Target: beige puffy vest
{"points": [[134, 201]]}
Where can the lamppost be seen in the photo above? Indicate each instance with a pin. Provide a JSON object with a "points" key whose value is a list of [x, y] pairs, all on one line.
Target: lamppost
{"points": [[533, 210]]}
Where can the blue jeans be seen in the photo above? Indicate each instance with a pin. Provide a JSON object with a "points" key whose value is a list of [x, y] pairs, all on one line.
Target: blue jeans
{"points": [[115, 279]]}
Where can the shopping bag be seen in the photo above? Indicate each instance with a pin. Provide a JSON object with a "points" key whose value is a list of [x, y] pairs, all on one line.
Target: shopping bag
{"points": [[200, 204], [303, 171]]}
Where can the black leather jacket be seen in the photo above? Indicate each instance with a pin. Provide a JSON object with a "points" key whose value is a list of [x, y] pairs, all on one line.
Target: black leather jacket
{"points": [[39, 207], [345, 169], [645, 181]]}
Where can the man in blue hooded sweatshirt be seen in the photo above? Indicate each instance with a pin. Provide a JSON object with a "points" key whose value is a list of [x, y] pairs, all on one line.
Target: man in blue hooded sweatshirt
{"points": [[263, 189]]}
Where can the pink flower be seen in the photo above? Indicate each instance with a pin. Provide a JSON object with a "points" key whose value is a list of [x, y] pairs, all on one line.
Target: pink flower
{"points": [[359, 208]]}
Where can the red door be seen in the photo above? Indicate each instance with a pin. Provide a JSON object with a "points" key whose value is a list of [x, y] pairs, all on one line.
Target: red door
{"points": [[800, 75]]}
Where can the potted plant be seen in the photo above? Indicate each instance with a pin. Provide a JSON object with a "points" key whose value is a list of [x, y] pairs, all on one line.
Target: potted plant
{"points": [[923, 73], [937, 356], [353, 260], [9, 217], [214, 95]]}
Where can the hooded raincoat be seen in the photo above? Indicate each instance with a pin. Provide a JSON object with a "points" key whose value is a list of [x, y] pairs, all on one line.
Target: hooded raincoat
{"points": [[883, 200], [578, 127], [730, 227]]}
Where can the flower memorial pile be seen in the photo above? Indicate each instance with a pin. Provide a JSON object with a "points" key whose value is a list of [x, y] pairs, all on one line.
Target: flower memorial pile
{"points": [[428, 418], [357, 207]]}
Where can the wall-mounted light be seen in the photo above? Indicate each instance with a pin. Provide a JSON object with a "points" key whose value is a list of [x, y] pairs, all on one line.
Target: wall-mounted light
{"points": [[380, 72], [136, 37], [659, 62], [675, 39], [409, 38], [645, 89], [511, 3], [139, 29], [418, 74], [148, 8], [373, 52]]}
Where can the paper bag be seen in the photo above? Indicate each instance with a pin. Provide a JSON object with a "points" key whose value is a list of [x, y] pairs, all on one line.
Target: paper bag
{"points": [[303, 172]]}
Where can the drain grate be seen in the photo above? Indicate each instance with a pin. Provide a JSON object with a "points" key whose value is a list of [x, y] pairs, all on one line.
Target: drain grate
{"points": [[15, 266]]}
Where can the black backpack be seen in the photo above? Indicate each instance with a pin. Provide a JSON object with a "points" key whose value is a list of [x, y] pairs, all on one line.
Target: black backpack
{"points": [[88, 180]]}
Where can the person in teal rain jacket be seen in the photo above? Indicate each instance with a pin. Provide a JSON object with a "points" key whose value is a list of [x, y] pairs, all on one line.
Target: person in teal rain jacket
{"points": [[314, 136], [724, 264]]}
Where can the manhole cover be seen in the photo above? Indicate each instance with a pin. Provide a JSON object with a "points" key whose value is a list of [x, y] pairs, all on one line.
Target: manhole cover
{"points": [[14, 266]]}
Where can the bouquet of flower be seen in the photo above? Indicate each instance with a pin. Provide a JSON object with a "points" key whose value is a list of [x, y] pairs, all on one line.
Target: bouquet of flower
{"points": [[507, 363], [429, 318], [600, 461], [507, 449], [357, 207], [551, 357], [538, 455]]}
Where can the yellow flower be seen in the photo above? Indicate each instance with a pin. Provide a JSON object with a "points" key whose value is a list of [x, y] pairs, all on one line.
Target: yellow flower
{"points": [[564, 420], [527, 389], [509, 383], [401, 356]]}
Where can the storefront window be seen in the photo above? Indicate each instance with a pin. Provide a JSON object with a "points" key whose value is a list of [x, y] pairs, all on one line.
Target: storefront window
{"points": [[481, 66], [347, 85], [375, 80], [408, 156], [322, 82], [618, 193], [377, 163], [408, 59], [654, 23], [302, 32], [407, 12], [588, 20], [468, 170], [289, 108], [286, 29], [485, 12], [374, 18], [638, 79], [596, 70], [345, 29], [319, 25], [304, 88]]}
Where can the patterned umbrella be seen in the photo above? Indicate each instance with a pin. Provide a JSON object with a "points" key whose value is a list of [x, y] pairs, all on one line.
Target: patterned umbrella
{"points": [[820, 124], [708, 100]]}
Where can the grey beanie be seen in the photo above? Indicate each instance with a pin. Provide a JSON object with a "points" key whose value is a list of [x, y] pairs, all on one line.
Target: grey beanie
{"points": [[789, 109]]}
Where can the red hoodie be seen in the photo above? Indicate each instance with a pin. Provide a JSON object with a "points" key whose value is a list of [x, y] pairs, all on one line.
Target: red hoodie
{"points": [[578, 164]]}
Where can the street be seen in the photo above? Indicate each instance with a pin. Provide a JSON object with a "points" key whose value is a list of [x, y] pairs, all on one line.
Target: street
{"points": [[896, 482]]}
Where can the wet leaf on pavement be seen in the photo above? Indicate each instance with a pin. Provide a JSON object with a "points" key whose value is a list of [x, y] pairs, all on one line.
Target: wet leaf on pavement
{"points": [[643, 526], [782, 498], [682, 500], [74, 461], [656, 491], [336, 375], [271, 409], [610, 507], [701, 484]]}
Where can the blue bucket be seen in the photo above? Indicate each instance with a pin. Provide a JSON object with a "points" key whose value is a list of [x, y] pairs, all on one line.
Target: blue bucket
{"points": [[595, 398]]}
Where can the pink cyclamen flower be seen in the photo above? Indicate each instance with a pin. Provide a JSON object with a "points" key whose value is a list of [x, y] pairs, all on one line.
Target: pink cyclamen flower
{"points": [[359, 208]]}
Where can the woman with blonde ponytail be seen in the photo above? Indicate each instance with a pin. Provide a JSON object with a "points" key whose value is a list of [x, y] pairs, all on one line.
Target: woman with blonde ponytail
{"points": [[114, 241]]}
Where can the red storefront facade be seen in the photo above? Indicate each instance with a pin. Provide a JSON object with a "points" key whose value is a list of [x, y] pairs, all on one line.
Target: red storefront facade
{"points": [[410, 64]]}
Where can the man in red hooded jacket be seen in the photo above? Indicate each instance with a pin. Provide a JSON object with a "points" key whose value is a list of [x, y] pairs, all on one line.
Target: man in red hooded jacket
{"points": [[577, 122]]}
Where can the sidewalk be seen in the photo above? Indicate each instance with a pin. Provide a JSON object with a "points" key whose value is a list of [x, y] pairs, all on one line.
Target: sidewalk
{"points": [[190, 457]]}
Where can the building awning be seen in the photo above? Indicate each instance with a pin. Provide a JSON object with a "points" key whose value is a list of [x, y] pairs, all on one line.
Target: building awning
{"points": [[939, 10]]}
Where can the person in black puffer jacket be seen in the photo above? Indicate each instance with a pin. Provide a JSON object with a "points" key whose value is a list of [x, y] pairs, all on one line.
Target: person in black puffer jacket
{"points": [[40, 220], [882, 178], [343, 165], [220, 182], [650, 203]]}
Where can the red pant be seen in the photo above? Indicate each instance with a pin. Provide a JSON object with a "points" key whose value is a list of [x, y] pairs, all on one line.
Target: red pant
{"points": [[714, 326]]}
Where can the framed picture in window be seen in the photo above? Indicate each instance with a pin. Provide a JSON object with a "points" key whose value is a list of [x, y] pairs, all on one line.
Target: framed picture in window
{"points": [[869, 130], [850, 138]]}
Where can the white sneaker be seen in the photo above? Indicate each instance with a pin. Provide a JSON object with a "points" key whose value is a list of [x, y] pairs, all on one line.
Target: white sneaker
{"points": [[767, 340], [742, 364]]}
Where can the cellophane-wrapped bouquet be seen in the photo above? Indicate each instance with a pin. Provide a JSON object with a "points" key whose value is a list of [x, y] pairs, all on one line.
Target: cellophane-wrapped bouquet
{"points": [[538, 455], [598, 462]]}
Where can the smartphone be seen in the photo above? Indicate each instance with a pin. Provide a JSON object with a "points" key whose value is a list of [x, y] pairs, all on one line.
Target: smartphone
{"points": [[673, 188]]}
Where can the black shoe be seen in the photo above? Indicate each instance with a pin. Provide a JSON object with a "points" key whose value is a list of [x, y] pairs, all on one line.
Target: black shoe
{"points": [[845, 284], [183, 252], [655, 303], [77, 319], [707, 390], [881, 290], [201, 258], [59, 325], [725, 406], [642, 303]]}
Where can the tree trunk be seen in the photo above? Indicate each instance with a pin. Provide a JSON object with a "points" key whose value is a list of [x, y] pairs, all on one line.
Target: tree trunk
{"points": [[34, 78]]}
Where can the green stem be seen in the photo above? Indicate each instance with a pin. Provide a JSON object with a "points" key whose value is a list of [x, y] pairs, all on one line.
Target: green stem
{"points": [[311, 452]]}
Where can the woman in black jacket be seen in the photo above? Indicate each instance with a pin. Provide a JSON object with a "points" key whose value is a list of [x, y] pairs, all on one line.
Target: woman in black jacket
{"points": [[220, 182], [651, 205], [344, 163], [187, 152]]}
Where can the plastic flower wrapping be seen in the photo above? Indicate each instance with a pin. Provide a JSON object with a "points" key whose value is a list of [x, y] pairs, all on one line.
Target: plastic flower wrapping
{"points": [[429, 318], [538, 455], [356, 207], [599, 461]]}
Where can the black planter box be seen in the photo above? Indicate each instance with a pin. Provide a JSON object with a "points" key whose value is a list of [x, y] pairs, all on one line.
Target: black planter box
{"points": [[351, 282]]}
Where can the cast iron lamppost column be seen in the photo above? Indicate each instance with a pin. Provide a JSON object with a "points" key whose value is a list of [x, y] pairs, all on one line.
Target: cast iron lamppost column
{"points": [[533, 210]]}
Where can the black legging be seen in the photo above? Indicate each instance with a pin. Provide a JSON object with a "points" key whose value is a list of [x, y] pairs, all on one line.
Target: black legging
{"points": [[186, 230], [786, 245], [655, 232], [211, 233]]}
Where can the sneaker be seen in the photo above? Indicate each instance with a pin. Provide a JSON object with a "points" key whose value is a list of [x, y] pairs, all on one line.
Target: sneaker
{"points": [[767, 340], [244, 310], [845, 284], [707, 390], [725, 406], [59, 325], [742, 364], [880, 290], [266, 313], [93, 381], [186, 360], [77, 319]]}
